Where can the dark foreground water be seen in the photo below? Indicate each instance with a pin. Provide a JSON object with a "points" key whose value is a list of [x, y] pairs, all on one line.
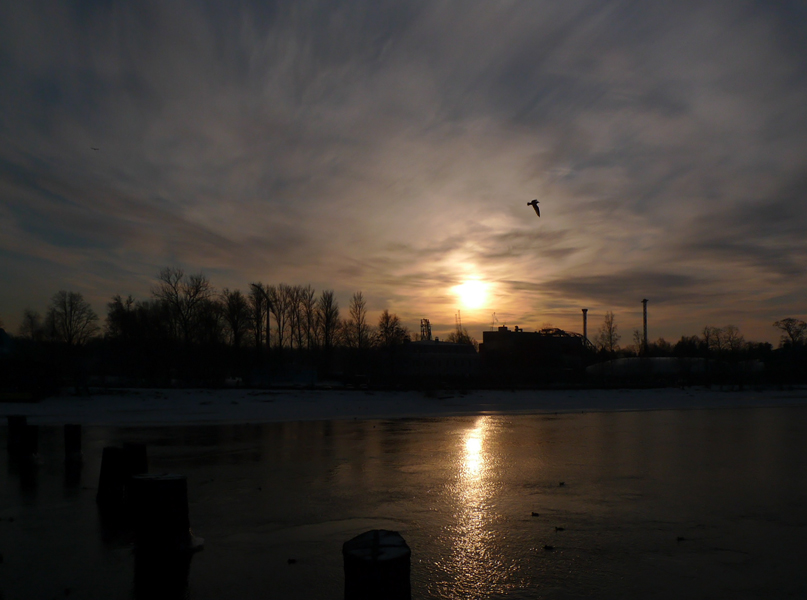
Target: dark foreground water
{"points": [[666, 504]]}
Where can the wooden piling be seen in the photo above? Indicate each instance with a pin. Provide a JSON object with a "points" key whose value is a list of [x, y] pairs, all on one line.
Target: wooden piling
{"points": [[136, 459], [72, 442], [113, 478], [377, 566], [159, 506], [16, 429]]}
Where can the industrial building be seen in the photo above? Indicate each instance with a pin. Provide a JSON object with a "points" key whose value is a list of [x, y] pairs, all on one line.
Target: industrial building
{"points": [[428, 361], [550, 354], [433, 359]]}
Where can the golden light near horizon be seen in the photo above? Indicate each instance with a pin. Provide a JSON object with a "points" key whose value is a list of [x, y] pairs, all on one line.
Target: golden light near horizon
{"points": [[472, 294]]}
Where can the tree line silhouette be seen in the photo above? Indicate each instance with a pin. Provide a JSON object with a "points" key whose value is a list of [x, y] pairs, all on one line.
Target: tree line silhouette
{"points": [[725, 342], [785, 364], [189, 333]]}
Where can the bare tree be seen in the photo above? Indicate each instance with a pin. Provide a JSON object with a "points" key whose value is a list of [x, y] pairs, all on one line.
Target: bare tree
{"points": [[637, 342], [608, 339], [733, 340], [308, 304], [390, 332], [713, 339], [236, 311], [259, 314], [357, 330], [687, 346], [794, 332], [461, 336], [295, 308], [185, 298], [120, 317], [327, 319], [209, 322], [279, 299], [71, 319], [661, 347], [31, 326]]}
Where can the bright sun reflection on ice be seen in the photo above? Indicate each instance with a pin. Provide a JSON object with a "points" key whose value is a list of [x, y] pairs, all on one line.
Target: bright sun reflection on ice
{"points": [[473, 453], [476, 564]]}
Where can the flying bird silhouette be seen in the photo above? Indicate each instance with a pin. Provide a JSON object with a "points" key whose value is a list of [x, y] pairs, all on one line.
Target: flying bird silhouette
{"points": [[93, 148], [534, 204]]}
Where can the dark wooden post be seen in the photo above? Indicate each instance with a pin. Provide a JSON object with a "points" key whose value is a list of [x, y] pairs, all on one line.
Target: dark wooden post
{"points": [[16, 432], [136, 459], [113, 478], [159, 505], [72, 443], [377, 566], [164, 543]]}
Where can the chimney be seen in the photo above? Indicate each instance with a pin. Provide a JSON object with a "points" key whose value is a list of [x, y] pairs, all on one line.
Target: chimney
{"points": [[585, 325], [644, 323]]}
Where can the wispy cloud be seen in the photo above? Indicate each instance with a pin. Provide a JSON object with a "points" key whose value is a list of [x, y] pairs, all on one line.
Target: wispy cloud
{"points": [[392, 147]]}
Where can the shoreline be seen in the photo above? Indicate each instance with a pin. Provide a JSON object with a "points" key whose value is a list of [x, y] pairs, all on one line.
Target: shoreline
{"points": [[167, 407]]}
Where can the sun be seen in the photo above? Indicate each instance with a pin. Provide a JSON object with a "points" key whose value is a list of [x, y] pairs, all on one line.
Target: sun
{"points": [[472, 293]]}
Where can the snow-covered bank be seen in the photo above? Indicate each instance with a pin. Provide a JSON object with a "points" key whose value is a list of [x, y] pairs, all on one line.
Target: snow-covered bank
{"points": [[160, 407]]}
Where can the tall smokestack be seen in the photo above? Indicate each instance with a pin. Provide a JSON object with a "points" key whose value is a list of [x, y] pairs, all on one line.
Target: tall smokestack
{"points": [[585, 325], [644, 323]]}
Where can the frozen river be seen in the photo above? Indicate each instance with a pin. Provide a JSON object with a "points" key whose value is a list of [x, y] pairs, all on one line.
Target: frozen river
{"points": [[654, 504]]}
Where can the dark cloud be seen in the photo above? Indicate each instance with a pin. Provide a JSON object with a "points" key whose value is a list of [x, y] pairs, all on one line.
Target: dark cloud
{"points": [[766, 234], [622, 289]]}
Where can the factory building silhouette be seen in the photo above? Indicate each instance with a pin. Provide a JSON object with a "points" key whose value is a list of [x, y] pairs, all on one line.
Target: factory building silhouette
{"points": [[550, 354], [506, 356]]}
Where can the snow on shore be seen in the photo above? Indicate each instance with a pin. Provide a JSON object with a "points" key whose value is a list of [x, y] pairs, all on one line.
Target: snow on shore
{"points": [[176, 407]]}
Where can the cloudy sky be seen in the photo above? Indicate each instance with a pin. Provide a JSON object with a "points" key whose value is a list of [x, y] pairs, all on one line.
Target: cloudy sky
{"points": [[391, 147]]}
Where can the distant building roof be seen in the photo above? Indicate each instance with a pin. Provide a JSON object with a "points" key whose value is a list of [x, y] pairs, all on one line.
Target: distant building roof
{"points": [[504, 339]]}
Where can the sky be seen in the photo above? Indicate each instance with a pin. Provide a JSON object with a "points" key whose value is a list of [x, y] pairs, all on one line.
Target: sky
{"points": [[392, 147]]}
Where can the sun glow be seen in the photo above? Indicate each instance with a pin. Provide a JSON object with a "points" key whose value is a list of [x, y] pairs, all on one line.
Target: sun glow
{"points": [[472, 293]]}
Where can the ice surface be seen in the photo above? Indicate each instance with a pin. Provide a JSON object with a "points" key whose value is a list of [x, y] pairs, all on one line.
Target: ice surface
{"points": [[175, 407]]}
